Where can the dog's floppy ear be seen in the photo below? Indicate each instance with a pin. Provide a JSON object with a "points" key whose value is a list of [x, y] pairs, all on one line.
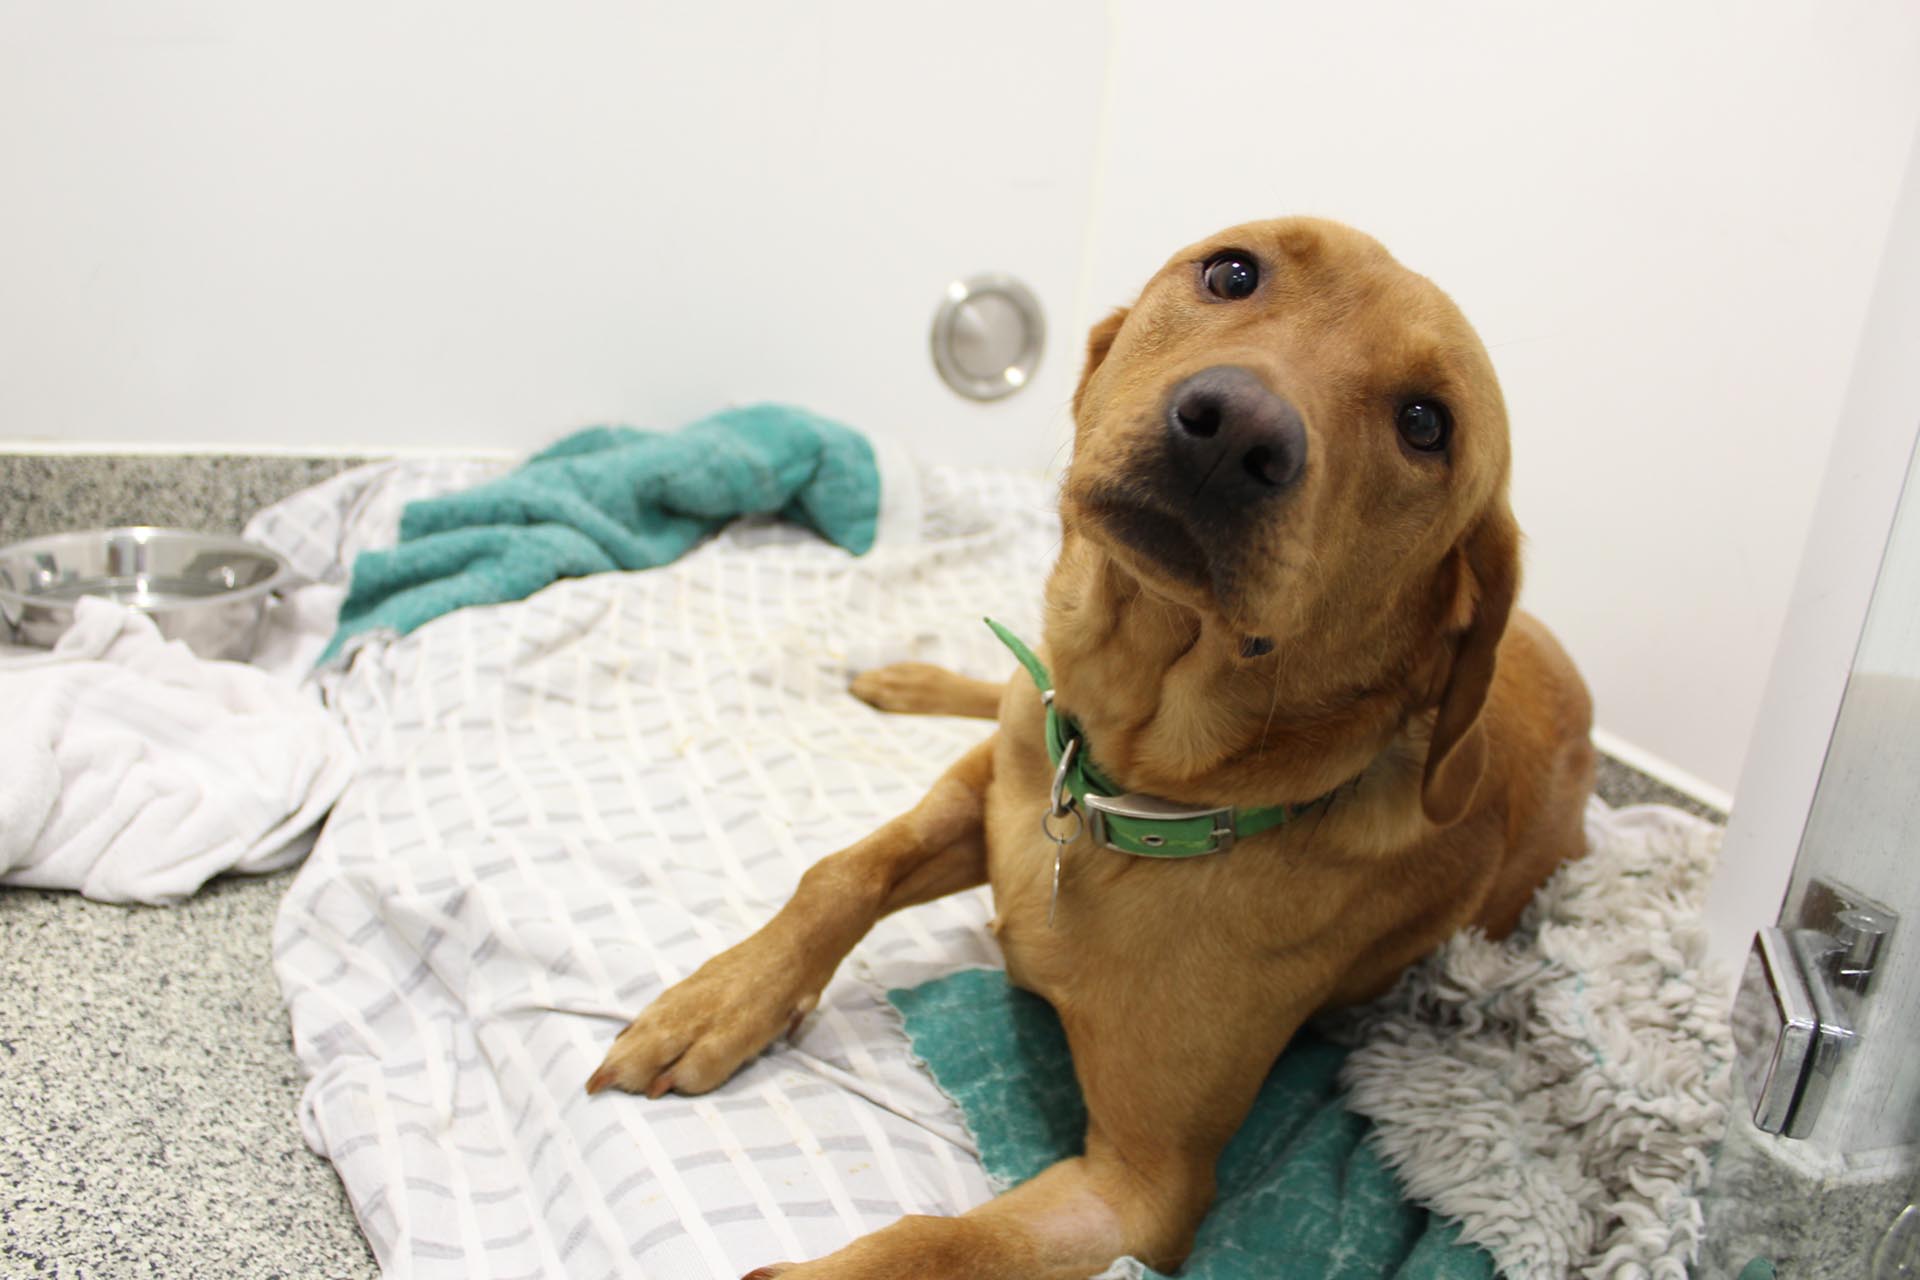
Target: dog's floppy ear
{"points": [[1099, 342], [1487, 569]]}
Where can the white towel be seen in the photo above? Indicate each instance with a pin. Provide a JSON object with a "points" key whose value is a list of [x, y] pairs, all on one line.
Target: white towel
{"points": [[134, 771]]}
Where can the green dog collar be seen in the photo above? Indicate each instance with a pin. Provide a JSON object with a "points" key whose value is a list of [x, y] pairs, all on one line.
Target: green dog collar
{"points": [[1146, 826]]}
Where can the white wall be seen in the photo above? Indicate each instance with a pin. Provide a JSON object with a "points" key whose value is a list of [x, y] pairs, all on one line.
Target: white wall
{"points": [[475, 225], [367, 224], [1663, 218]]}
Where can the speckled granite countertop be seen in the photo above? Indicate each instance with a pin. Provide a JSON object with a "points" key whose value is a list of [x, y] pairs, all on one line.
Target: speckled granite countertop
{"points": [[147, 1095], [147, 1080], [45, 493]]}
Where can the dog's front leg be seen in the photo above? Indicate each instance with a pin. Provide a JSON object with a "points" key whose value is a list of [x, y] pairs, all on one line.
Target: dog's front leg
{"points": [[701, 1030], [1068, 1223], [1168, 1073]]}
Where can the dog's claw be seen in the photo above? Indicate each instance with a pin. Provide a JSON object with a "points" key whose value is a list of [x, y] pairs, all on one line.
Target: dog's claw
{"points": [[765, 1273]]}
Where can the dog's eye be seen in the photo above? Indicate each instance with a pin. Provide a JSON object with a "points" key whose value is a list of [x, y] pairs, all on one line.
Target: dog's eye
{"points": [[1231, 275], [1425, 425]]}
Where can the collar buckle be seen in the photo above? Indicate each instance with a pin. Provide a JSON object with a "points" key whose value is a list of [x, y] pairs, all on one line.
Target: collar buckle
{"points": [[1150, 827]]}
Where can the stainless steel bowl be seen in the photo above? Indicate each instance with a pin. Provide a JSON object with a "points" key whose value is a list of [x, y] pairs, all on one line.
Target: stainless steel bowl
{"points": [[212, 592]]}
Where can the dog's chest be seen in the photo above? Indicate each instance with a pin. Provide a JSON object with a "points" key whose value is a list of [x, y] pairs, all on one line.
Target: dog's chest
{"points": [[1073, 914]]}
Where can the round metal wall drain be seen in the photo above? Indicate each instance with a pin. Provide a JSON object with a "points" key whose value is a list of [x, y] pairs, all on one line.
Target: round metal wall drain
{"points": [[987, 336]]}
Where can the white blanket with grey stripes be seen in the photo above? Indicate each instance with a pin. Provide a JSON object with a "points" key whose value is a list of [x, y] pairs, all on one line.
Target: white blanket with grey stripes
{"points": [[565, 804]]}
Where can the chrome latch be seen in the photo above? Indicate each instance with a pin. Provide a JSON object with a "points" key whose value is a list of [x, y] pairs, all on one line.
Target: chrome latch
{"points": [[1799, 1004]]}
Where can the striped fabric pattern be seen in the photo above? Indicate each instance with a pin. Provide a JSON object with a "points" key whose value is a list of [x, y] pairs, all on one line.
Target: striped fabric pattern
{"points": [[570, 802]]}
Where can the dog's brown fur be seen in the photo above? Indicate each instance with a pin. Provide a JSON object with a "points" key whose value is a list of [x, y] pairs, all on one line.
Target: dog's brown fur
{"points": [[1451, 730]]}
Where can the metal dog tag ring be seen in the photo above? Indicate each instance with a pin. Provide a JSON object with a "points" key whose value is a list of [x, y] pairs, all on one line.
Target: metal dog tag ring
{"points": [[1073, 833], [1060, 805]]}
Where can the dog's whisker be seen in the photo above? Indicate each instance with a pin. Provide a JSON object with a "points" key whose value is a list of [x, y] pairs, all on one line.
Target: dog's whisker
{"points": [[1218, 457], [1273, 706]]}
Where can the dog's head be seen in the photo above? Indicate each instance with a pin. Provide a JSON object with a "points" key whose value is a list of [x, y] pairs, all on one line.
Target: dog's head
{"points": [[1302, 440]]}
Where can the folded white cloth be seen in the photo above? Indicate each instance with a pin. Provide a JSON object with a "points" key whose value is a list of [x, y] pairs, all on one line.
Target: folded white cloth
{"points": [[134, 771]]}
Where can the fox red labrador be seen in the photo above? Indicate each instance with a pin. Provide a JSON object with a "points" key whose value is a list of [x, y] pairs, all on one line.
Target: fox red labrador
{"points": [[1285, 734]]}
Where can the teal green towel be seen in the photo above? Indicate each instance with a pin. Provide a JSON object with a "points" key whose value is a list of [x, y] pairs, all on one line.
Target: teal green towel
{"points": [[1303, 1196], [614, 498]]}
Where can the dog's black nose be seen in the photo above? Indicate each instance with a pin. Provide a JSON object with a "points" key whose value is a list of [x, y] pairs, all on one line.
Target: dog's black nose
{"points": [[1232, 438]]}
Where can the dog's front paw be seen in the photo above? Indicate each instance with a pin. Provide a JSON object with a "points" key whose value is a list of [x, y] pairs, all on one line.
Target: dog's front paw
{"points": [[702, 1030], [913, 688]]}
